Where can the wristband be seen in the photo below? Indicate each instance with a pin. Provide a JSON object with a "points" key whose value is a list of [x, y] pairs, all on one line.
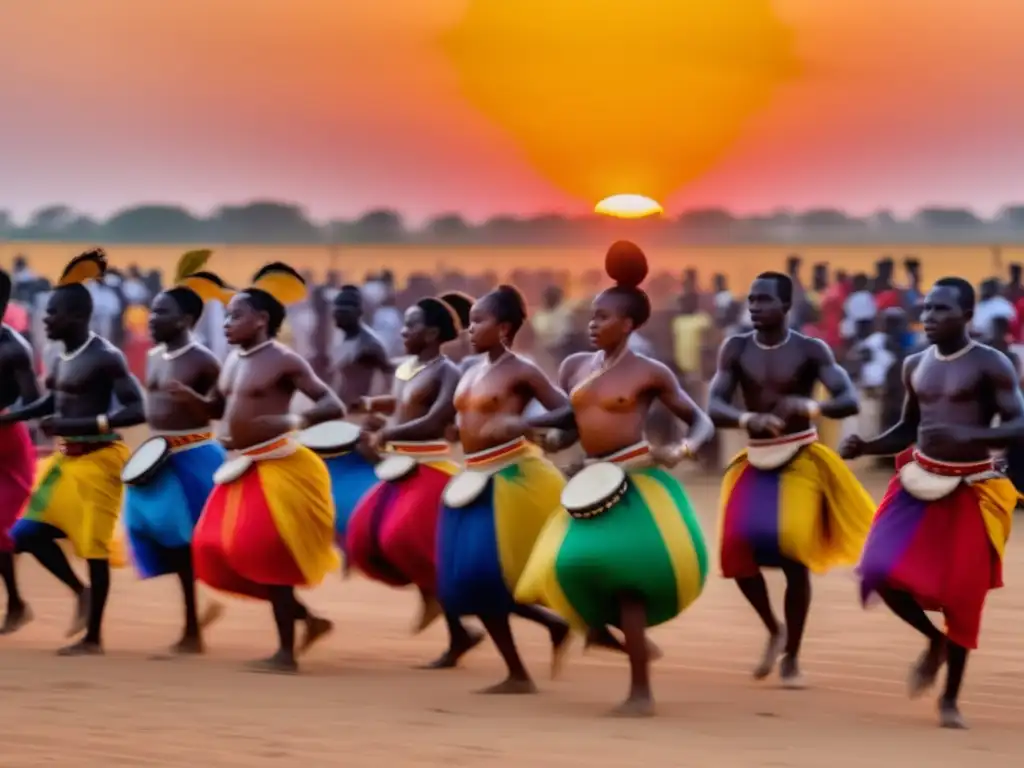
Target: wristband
{"points": [[102, 424], [296, 422], [686, 450], [813, 409], [744, 419]]}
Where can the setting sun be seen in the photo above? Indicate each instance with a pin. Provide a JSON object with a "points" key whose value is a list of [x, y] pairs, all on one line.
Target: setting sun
{"points": [[628, 206]]}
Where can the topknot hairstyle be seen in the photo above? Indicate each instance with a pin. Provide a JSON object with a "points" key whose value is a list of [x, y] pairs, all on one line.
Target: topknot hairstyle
{"points": [[626, 264]]}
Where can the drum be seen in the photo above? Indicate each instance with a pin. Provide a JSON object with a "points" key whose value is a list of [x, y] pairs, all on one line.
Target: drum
{"points": [[395, 468], [594, 489], [232, 469], [330, 437], [146, 461], [465, 488]]}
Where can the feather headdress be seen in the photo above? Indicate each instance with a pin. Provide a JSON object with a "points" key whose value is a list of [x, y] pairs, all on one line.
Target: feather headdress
{"points": [[206, 285], [90, 265], [279, 281]]}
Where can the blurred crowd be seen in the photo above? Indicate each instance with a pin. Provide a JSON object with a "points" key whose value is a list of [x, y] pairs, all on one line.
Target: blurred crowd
{"points": [[871, 321]]}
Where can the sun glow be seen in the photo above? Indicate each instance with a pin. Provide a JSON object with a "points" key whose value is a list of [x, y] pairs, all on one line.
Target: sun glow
{"points": [[629, 207]]}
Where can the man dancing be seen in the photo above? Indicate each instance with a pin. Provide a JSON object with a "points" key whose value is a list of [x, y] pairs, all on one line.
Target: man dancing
{"points": [[17, 454], [78, 492], [268, 526], [163, 505], [788, 501], [938, 539]]}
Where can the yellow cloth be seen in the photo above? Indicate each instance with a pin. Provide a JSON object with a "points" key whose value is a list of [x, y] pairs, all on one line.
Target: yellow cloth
{"points": [[830, 431], [687, 337], [997, 499], [81, 496], [813, 510], [297, 490]]}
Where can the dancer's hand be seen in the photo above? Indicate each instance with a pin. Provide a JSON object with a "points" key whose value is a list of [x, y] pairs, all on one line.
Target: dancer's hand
{"points": [[671, 455], [377, 440], [182, 393], [852, 447], [504, 428], [759, 423], [789, 408], [374, 422]]}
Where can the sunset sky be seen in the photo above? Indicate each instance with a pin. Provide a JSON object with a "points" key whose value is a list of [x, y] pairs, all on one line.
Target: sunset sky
{"points": [[345, 105]]}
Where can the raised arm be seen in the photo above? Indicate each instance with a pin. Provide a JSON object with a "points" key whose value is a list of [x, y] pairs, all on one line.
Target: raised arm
{"points": [[723, 385], [843, 401], [671, 394], [433, 423], [902, 434], [326, 404]]}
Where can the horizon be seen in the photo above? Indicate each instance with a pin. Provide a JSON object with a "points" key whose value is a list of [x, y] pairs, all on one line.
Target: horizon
{"points": [[791, 104]]}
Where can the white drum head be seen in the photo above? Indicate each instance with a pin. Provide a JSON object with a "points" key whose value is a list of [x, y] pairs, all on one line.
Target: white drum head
{"points": [[231, 470], [465, 488], [394, 468], [330, 436], [146, 456], [592, 485]]}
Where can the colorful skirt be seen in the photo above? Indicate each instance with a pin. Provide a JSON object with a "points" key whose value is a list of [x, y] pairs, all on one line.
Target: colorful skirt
{"points": [[161, 514], [392, 536], [946, 552], [17, 474], [811, 510], [351, 477], [649, 544], [78, 492], [271, 526], [483, 546]]}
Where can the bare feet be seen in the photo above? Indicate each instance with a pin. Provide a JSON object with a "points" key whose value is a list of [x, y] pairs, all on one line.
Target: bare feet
{"points": [[212, 613], [561, 640], [773, 649], [81, 648], [637, 705], [316, 629], [789, 671], [81, 618], [430, 610], [17, 617], [926, 669], [950, 717], [511, 686], [450, 658], [187, 646], [279, 664]]}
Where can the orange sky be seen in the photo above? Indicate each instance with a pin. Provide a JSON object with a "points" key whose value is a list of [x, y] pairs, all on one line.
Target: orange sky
{"points": [[344, 106]]}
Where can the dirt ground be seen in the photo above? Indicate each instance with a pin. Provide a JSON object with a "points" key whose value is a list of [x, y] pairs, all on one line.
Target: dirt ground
{"points": [[359, 702]]}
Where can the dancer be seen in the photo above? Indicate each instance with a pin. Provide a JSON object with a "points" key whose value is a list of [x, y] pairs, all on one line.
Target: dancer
{"points": [[788, 501], [360, 359], [462, 303], [629, 551], [78, 491], [938, 539], [17, 455], [493, 511], [170, 476], [268, 526], [392, 535]]}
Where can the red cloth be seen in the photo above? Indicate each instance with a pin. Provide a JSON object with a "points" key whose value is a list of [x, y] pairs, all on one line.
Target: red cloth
{"points": [[17, 474], [392, 534]]}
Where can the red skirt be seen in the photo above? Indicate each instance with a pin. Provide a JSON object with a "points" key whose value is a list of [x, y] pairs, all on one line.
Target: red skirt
{"points": [[17, 474]]}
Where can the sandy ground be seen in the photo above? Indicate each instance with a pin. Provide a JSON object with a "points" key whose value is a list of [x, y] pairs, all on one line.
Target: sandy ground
{"points": [[360, 703]]}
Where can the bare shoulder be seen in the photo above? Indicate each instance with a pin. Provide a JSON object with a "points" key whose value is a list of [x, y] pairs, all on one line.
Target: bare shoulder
{"points": [[450, 368], [911, 363], [733, 347], [655, 370], [527, 366], [289, 358], [573, 362], [993, 362], [14, 348], [816, 349], [206, 356], [111, 356]]}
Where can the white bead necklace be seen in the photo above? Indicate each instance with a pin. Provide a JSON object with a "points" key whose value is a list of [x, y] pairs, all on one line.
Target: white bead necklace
{"points": [[68, 357]]}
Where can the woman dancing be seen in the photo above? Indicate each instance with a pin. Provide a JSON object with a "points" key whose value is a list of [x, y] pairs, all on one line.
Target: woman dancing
{"points": [[493, 511], [630, 551]]}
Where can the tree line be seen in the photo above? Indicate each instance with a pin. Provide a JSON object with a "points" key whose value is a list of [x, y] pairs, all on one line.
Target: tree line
{"points": [[274, 222]]}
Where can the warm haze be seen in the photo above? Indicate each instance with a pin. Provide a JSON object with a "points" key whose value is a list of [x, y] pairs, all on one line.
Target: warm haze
{"points": [[409, 104]]}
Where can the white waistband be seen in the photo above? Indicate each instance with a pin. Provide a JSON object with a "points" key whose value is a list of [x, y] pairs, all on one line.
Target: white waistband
{"points": [[632, 457]]}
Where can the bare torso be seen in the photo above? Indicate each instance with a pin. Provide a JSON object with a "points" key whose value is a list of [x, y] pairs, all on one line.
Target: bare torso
{"points": [[15, 357], [83, 386], [489, 390], [255, 386], [414, 398], [196, 368], [360, 357]]}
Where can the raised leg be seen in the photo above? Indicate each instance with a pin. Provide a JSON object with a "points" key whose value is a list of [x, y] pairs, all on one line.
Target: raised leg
{"points": [[926, 669], [633, 621], [797, 606], [460, 642], [316, 627], [557, 628], [518, 680], [755, 590], [18, 613]]}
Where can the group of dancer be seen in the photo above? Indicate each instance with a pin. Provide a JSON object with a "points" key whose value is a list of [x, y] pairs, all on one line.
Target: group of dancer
{"points": [[238, 491]]}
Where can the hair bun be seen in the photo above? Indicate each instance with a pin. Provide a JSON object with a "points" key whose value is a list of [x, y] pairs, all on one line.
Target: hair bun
{"points": [[625, 263], [513, 293]]}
